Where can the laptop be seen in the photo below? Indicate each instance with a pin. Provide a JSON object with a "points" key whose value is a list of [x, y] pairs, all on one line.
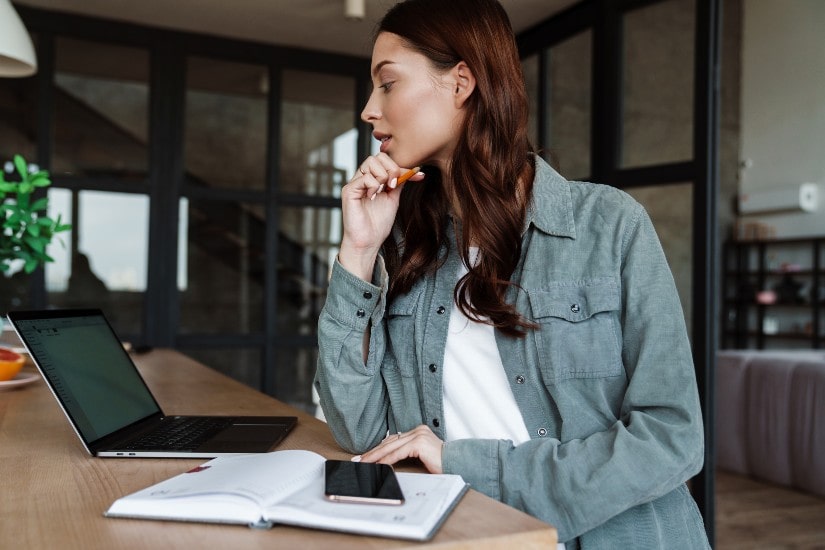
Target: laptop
{"points": [[110, 406]]}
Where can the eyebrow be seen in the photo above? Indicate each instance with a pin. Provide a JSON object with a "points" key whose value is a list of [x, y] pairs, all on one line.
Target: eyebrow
{"points": [[380, 65]]}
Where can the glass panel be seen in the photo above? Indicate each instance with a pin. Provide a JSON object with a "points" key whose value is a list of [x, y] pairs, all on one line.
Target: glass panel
{"points": [[101, 122], [102, 261], [293, 377], [568, 114], [318, 134], [657, 84], [671, 209], [18, 117], [242, 364], [18, 136], [226, 124], [530, 68], [308, 244], [224, 269]]}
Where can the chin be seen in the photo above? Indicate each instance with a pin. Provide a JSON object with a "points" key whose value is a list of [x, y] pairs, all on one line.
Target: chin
{"points": [[411, 161]]}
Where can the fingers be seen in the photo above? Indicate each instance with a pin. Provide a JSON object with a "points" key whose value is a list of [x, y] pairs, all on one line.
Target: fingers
{"points": [[379, 173], [391, 451], [419, 443]]}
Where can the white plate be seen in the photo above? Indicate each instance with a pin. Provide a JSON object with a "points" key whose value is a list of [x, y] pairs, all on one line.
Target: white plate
{"points": [[22, 379]]}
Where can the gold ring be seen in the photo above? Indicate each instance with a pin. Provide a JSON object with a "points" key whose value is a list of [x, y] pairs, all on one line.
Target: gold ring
{"points": [[363, 172]]}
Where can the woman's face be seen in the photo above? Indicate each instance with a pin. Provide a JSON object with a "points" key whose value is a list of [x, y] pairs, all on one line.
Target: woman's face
{"points": [[413, 109]]}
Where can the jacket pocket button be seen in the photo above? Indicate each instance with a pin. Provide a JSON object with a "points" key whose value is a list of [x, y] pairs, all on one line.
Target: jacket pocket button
{"points": [[360, 313], [575, 308]]}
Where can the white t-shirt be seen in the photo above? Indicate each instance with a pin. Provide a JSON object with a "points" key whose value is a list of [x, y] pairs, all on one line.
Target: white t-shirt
{"points": [[478, 401]]}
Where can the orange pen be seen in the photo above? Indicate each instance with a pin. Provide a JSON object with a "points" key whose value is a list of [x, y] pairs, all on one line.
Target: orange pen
{"points": [[401, 179], [408, 174]]}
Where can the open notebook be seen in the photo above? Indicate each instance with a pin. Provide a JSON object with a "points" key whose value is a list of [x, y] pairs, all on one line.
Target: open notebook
{"points": [[109, 405]]}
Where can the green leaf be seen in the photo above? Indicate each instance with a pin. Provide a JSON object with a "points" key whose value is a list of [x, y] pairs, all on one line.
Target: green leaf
{"points": [[22, 167], [41, 179], [36, 243], [33, 230], [31, 265], [40, 204], [23, 199]]}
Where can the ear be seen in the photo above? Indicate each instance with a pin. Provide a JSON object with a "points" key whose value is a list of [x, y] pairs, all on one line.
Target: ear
{"points": [[465, 83]]}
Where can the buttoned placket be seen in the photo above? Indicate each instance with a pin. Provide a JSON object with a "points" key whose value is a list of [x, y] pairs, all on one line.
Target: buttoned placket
{"points": [[437, 319], [538, 419]]}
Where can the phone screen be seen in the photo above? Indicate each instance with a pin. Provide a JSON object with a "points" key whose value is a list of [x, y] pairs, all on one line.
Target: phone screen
{"points": [[364, 482]]}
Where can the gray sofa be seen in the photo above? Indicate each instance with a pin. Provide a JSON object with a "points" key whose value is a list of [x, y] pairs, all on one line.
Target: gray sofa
{"points": [[770, 416]]}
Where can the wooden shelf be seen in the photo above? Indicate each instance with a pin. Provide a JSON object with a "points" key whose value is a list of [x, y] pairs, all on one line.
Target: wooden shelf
{"points": [[807, 305], [745, 267], [770, 273], [777, 336]]}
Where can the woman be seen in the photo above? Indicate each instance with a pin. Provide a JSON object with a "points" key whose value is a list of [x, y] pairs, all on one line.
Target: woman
{"points": [[498, 321]]}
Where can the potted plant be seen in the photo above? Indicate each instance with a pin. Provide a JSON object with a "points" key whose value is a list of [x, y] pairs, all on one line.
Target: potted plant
{"points": [[26, 227]]}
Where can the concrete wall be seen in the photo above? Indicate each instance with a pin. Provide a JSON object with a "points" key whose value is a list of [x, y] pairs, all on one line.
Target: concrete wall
{"points": [[783, 106]]}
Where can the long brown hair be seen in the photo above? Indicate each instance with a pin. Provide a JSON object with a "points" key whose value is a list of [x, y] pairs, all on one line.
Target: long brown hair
{"points": [[490, 177]]}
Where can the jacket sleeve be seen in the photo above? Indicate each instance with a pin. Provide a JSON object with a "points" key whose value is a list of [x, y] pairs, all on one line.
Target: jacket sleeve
{"points": [[654, 446], [352, 394]]}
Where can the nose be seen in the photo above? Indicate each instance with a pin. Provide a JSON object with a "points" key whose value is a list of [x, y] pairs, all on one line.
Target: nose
{"points": [[371, 111]]}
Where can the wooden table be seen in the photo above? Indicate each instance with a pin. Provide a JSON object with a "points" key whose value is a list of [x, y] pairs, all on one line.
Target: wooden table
{"points": [[54, 494]]}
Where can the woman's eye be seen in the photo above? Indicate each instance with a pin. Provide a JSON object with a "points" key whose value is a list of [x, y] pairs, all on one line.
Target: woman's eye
{"points": [[386, 86]]}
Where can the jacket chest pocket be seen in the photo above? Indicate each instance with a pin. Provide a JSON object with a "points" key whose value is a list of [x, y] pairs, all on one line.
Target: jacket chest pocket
{"points": [[579, 329], [400, 319]]}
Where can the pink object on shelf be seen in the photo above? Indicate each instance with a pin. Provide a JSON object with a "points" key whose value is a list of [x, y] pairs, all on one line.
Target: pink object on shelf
{"points": [[766, 297]]}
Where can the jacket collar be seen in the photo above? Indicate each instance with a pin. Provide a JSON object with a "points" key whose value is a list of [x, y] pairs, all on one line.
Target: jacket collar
{"points": [[551, 209]]}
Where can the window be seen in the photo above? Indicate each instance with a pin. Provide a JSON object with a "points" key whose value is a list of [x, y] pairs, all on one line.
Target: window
{"points": [[657, 84]]}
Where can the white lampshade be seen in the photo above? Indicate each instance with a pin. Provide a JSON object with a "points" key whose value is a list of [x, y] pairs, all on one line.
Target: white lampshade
{"points": [[355, 9], [17, 56]]}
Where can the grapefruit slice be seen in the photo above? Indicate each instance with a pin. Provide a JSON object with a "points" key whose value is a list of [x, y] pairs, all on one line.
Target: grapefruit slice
{"points": [[10, 363]]}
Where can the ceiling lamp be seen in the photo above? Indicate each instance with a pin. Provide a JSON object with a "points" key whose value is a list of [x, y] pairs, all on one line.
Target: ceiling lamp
{"points": [[17, 57], [355, 9]]}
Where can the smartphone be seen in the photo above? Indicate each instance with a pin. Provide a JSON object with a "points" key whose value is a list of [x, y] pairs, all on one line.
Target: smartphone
{"points": [[363, 482]]}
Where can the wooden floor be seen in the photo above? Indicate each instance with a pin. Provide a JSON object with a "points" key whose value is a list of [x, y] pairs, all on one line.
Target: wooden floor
{"points": [[756, 515]]}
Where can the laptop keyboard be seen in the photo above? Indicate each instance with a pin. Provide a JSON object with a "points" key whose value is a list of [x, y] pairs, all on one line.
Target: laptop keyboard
{"points": [[180, 434]]}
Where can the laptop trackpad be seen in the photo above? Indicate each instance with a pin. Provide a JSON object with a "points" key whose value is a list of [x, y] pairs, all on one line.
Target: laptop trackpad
{"points": [[246, 438]]}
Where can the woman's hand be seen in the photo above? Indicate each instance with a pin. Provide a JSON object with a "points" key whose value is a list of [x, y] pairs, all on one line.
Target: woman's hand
{"points": [[420, 443], [369, 203]]}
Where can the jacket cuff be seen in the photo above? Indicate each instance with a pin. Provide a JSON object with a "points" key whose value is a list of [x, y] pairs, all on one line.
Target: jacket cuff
{"points": [[476, 461], [354, 302]]}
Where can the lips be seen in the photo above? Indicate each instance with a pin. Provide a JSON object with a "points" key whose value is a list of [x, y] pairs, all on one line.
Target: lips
{"points": [[384, 139]]}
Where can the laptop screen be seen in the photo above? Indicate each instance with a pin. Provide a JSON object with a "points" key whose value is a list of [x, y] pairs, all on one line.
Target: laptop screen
{"points": [[88, 369]]}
